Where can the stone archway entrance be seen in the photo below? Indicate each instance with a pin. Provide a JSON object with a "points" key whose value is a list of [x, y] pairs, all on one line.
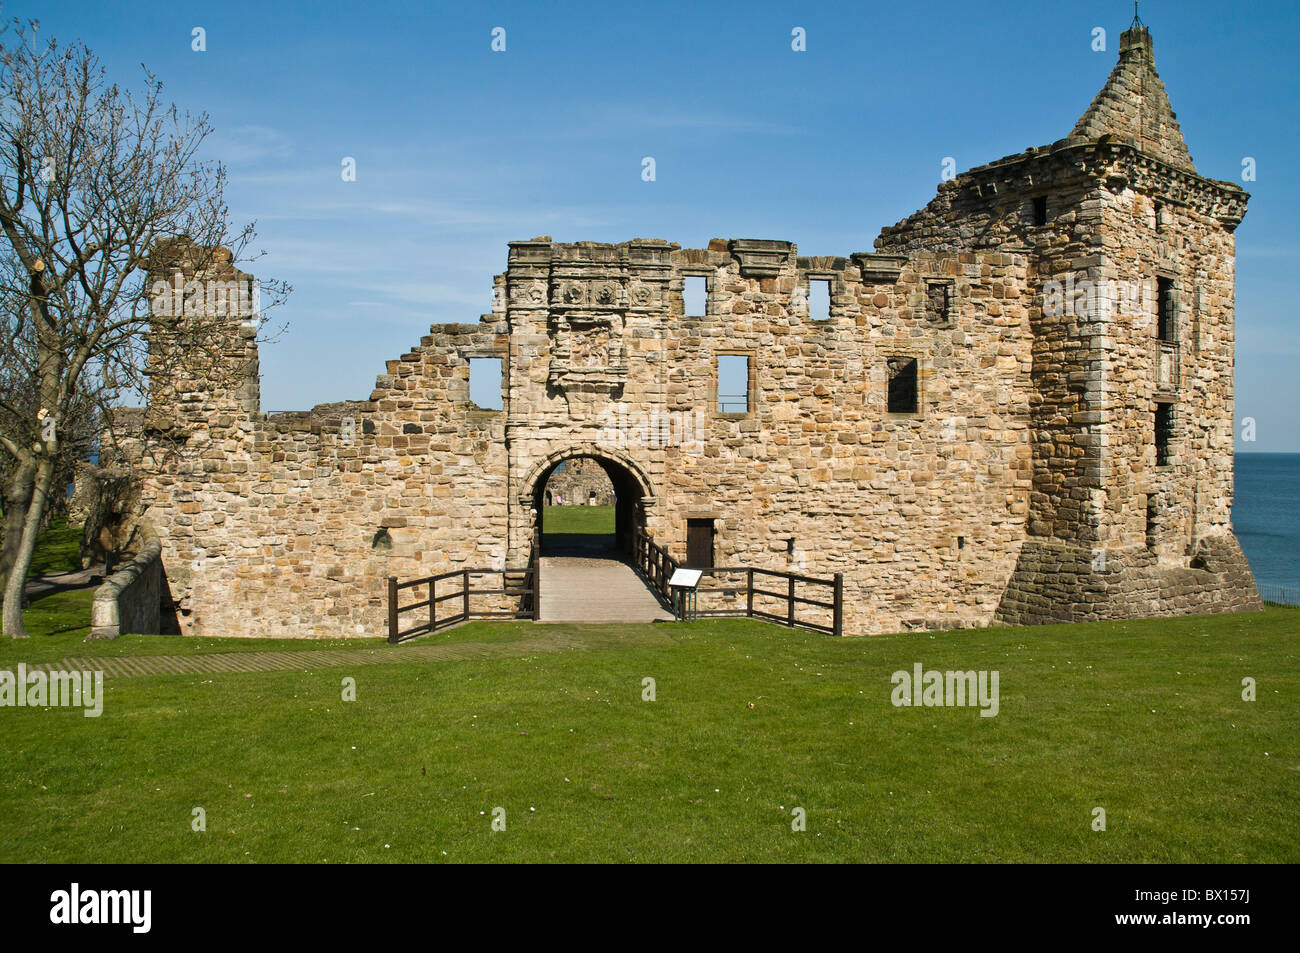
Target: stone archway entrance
{"points": [[591, 579], [550, 503], [633, 494], [580, 513]]}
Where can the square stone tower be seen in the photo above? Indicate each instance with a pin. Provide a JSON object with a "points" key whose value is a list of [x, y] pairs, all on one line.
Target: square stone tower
{"points": [[1131, 269]]}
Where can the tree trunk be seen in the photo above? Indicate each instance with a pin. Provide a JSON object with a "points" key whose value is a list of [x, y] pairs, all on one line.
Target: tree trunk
{"points": [[13, 605], [18, 497]]}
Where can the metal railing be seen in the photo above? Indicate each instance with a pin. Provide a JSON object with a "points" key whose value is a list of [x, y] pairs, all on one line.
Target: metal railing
{"points": [[781, 605], [1279, 595]]}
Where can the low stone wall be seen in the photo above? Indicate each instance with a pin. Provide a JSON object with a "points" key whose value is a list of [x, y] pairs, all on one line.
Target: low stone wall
{"points": [[130, 600]]}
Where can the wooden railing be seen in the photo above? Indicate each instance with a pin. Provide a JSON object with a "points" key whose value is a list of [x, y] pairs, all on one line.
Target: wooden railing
{"points": [[654, 562], [657, 566], [466, 586], [457, 590]]}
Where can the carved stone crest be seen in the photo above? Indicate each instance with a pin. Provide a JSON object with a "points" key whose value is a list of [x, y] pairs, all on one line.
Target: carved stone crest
{"points": [[587, 354]]}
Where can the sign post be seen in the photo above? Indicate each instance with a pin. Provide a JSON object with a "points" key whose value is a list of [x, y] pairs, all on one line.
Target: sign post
{"points": [[685, 586]]}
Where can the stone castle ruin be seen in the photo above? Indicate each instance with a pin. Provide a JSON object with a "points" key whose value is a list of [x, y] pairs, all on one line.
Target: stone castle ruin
{"points": [[1017, 410], [579, 482]]}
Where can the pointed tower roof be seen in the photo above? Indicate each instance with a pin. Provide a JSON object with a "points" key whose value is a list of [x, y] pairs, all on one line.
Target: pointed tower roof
{"points": [[1133, 104]]}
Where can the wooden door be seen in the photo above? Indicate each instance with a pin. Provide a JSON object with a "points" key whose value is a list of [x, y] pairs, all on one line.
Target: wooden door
{"points": [[699, 544]]}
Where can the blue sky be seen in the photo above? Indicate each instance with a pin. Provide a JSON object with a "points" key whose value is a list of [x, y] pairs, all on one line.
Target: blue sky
{"points": [[460, 149]]}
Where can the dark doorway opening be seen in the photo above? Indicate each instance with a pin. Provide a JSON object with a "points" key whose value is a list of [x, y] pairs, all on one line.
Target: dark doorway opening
{"points": [[699, 543]]}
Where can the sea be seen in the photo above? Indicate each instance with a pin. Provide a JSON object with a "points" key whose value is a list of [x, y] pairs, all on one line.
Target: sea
{"points": [[1266, 518]]}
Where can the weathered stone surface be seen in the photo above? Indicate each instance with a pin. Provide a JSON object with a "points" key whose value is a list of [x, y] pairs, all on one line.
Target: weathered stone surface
{"points": [[130, 600]]}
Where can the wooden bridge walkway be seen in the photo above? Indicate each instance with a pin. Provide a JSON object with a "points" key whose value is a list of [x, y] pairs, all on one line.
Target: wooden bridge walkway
{"points": [[580, 589]]}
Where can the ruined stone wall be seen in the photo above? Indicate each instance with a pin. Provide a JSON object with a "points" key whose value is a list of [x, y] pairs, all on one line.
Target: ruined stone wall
{"points": [[580, 483], [922, 512], [290, 526], [1191, 250], [993, 207]]}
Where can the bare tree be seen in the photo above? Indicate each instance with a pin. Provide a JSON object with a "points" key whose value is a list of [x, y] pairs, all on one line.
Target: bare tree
{"points": [[93, 179], [17, 480]]}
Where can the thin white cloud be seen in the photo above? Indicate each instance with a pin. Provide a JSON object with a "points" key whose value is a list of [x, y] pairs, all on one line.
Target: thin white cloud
{"points": [[431, 293], [248, 144]]}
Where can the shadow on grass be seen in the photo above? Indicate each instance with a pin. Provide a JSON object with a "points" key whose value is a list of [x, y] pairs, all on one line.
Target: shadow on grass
{"points": [[590, 545], [60, 611]]}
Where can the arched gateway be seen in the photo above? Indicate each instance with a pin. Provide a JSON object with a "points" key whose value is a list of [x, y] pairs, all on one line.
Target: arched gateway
{"points": [[578, 578], [633, 495]]}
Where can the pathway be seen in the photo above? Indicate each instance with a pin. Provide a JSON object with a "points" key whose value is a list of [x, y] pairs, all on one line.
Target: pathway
{"points": [[221, 663], [580, 589], [59, 581]]}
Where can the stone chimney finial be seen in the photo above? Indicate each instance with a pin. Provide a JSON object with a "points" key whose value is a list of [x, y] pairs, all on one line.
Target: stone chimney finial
{"points": [[1136, 37]]}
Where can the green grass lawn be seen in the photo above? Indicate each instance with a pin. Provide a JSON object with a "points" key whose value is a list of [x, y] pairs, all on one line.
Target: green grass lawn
{"points": [[588, 520], [64, 614], [1142, 718], [61, 618], [58, 549]]}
